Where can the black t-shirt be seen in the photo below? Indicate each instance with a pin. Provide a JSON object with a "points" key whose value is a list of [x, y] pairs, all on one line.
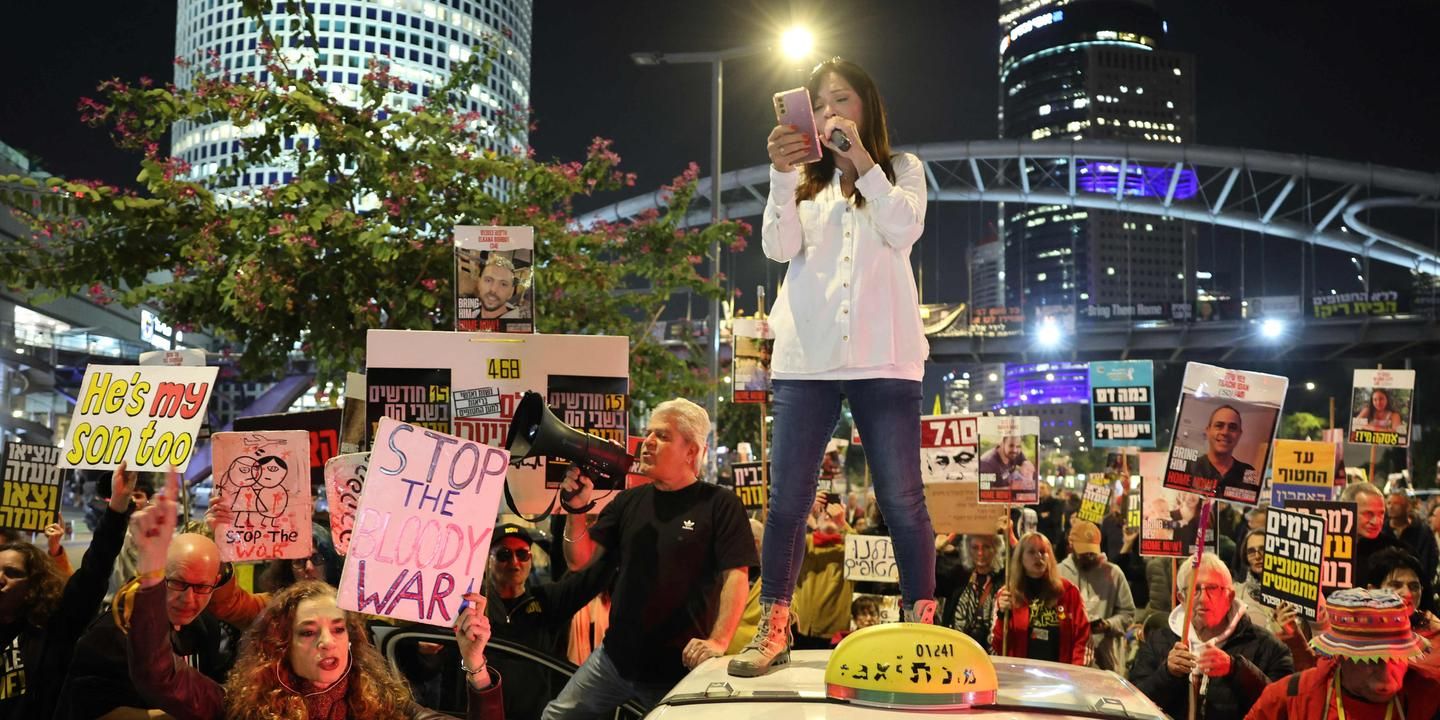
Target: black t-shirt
{"points": [[1044, 643], [671, 549]]}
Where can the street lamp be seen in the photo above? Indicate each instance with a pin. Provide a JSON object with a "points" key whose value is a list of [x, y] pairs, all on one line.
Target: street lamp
{"points": [[796, 43]]}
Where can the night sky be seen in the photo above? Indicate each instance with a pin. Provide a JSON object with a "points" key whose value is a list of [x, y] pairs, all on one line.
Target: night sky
{"points": [[1332, 78]]}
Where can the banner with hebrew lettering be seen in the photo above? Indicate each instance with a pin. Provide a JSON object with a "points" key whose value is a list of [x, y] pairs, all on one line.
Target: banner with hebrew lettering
{"points": [[417, 395], [1294, 549], [1302, 470], [870, 557], [1381, 402], [748, 483], [32, 486], [1122, 403], [1095, 501], [1341, 535], [344, 482]]}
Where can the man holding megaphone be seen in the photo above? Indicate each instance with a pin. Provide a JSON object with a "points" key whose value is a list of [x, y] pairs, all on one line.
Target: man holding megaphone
{"points": [[682, 550]]}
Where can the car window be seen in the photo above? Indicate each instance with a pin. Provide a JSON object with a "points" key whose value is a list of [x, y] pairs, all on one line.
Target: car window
{"points": [[430, 660]]}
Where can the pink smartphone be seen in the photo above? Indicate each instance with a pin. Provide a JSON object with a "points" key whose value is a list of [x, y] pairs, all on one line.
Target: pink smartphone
{"points": [[793, 108]]}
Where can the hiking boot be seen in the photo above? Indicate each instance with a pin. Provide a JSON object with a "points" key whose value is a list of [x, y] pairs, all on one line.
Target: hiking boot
{"points": [[771, 645]]}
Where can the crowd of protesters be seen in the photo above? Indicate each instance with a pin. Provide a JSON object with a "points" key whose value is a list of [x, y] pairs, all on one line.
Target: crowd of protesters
{"points": [[179, 637]]}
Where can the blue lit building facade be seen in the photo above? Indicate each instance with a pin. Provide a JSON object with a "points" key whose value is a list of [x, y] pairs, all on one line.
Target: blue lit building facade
{"points": [[1079, 69], [419, 39]]}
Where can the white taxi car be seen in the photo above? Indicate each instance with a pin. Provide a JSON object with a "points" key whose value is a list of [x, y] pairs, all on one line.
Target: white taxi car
{"points": [[905, 672]]}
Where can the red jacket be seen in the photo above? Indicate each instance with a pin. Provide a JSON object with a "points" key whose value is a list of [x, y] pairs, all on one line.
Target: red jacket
{"points": [[1302, 696], [1074, 628]]}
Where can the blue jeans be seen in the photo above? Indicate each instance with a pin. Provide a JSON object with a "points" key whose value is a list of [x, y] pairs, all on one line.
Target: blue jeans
{"points": [[597, 688], [887, 412]]}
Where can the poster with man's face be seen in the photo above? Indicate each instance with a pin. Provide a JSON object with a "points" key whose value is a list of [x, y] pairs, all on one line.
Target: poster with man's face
{"points": [[1223, 432], [494, 273], [1169, 519], [1380, 405], [1008, 457], [754, 345]]}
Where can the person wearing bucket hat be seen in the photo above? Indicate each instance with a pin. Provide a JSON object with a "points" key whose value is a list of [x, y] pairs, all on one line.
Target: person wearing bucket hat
{"points": [[1365, 668]]}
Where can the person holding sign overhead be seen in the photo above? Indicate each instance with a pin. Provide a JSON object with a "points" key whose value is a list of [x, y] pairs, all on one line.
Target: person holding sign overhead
{"points": [[303, 657], [847, 325], [42, 614]]}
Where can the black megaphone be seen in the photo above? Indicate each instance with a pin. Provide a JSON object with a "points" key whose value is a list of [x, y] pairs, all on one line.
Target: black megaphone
{"points": [[535, 431]]}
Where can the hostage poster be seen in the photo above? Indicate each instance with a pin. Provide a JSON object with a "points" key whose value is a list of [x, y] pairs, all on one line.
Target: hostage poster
{"points": [[1380, 407], [1008, 450], [754, 345], [1223, 432], [949, 468], [1170, 520], [495, 278]]}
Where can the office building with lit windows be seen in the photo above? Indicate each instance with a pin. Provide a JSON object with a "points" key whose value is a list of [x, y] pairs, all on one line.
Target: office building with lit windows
{"points": [[420, 40], [1077, 69]]}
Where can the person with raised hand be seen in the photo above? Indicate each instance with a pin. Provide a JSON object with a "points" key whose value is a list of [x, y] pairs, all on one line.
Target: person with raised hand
{"points": [[303, 657], [42, 614]]}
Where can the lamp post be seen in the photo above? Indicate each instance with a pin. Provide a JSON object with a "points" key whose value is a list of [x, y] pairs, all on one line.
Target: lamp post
{"points": [[796, 43]]}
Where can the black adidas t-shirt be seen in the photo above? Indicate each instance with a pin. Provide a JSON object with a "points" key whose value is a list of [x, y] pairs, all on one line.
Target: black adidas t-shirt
{"points": [[671, 549]]}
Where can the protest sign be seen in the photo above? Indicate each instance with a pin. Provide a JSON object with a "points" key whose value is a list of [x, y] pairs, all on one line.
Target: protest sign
{"points": [[1006, 468], [1170, 520], [500, 369], [1095, 502], [1134, 501], [145, 416], [1302, 470], [749, 485], [953, 509], [754, 345], [344, 482], [416, 395], [494, 278], [1294, 546], [1341, 535], [263, 479], [949, 468], [422, 531], [352, 414], [595, 405], [32, 486], [323, 426], [187, 357], [870, 557], [1380, 405], [1223, 432], [1122, 403]]}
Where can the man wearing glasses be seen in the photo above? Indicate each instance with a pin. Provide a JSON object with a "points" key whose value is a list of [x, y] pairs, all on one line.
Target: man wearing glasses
{"points": [[99, 679], [1230, 658]]}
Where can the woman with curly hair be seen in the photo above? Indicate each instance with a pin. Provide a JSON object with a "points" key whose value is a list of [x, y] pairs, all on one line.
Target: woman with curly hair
{"points": [[42, 614], [303, 657]]}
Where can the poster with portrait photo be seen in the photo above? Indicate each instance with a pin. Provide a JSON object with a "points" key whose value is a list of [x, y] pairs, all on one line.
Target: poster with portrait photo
{"points": [[1007, 465], [949, 464], [1224, 429], [1380, 405], [494, 278], [1169, 519], [754, 346]]}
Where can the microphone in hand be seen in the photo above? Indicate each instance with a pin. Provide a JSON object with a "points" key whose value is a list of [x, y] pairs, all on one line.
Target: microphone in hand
{"points": [[838, 139]]}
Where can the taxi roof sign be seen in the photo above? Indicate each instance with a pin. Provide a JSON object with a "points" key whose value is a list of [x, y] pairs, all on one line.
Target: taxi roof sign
{"points": [[910, 665]]}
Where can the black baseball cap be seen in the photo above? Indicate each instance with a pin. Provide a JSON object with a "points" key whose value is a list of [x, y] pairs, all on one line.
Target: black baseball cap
{"points": [[509, 530]]}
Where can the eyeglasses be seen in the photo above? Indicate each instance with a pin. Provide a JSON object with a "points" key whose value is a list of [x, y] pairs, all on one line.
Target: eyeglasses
{"points": [[315, 559], [505, 554], [1211, 590], [1254, 551], [181, 586]]}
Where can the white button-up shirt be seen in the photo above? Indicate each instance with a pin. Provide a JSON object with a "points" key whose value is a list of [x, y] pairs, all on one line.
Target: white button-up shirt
{"points": [[848, 308]]}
